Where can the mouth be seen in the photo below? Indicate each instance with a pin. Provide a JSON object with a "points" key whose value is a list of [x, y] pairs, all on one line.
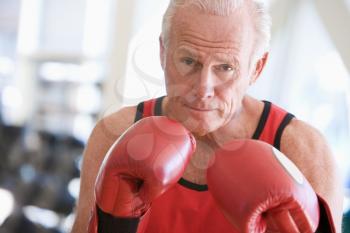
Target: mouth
{"points": [[199, 109]]}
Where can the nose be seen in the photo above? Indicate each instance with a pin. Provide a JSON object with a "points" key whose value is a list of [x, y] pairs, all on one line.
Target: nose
{"points": [[204, 87]]}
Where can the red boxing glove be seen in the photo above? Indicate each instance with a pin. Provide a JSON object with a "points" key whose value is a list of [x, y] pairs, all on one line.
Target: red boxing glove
{"points": [[142, 164], [260, 190]]}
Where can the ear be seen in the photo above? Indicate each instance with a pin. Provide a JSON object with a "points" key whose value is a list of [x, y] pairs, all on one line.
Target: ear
{"points": [[161, 52], [259, 66]]}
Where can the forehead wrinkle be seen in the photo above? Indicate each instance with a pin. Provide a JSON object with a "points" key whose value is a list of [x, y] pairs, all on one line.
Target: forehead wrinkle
{"points": [[196, 48], [197, 36], [194, 38], [204, 31], [204, 45], [193, 22]]}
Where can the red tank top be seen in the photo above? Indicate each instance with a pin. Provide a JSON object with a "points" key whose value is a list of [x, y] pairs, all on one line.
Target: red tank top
{"points": [[189, 207]]}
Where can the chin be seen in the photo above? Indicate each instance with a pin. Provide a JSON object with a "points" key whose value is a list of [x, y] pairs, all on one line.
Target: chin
{"points": [[200, 133], [198, 123], [199, 127]]}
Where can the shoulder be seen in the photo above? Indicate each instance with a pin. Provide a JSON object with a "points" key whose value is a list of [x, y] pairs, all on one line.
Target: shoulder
{"points": [[301, 135], [110, 127], [307, 148], [106, 131]]}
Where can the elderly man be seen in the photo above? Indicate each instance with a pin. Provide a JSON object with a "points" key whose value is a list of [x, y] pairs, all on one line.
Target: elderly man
{"points": [[211, 51]]}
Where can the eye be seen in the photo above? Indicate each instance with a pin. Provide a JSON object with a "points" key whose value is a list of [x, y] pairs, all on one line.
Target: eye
{"points": [[225, 67], [188, 61]]}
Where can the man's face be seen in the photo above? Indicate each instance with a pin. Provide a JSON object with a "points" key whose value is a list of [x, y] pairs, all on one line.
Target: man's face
{"points": [[207, 67]]}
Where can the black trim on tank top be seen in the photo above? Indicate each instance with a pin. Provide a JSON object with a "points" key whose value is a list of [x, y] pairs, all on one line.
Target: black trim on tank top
{"points": [[193, 186], [263, 120], [139, 112], [287, 118], [108, 223], [158, 106], [157, 110]]}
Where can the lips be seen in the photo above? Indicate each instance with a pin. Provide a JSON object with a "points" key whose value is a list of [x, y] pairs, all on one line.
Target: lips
{"points": [[199, 109]]}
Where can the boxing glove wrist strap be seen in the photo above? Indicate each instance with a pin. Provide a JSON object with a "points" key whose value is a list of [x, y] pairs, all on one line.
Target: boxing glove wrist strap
{"points": [[326, 223], [110, 224]]}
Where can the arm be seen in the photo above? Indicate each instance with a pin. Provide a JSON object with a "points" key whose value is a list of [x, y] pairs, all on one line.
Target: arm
{"points": [[308, 149], [106, 131], [132, 176]]}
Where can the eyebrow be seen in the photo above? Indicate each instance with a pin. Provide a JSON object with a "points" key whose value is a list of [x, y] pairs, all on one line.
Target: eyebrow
{"points": [[187, 51], [225, 58], [220, 56]]}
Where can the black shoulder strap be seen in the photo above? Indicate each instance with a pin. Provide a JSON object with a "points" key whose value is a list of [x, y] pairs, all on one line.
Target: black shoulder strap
{"points": [[282, 126], [263, 119], [157, 109], [158, 106], [139, 112]]}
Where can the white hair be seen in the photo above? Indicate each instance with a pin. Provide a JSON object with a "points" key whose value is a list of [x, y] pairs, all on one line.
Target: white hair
{"points": [[261, 18]]}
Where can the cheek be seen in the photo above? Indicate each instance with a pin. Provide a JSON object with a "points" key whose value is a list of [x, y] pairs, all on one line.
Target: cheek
{"points": [[231, 95], [175, 86]]}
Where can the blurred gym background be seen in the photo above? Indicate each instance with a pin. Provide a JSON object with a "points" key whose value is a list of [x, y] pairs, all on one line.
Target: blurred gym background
{"points": [[64, 64]]}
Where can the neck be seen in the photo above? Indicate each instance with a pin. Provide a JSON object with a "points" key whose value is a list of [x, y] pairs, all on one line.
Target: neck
{"points": [[242, 123]]}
